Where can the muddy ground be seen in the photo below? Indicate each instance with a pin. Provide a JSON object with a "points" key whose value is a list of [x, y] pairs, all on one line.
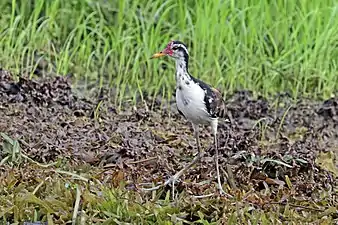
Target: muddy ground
{"points": [[266, 139]]}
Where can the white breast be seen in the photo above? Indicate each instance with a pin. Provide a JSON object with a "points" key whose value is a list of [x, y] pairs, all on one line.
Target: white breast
{"points": [[190, 101]]}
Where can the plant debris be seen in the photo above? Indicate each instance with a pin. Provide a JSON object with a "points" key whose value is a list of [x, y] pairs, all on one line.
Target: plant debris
{"points": [[275, 147]]}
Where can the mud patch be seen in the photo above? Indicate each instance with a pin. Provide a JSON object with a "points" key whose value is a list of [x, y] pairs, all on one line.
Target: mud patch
{"points": [[268, 144]]}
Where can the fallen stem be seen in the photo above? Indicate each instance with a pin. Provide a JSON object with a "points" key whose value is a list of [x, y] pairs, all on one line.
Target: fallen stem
{"points": [[203, 196], [39, 164], [77, 205], [38, 187], [72, 174]]}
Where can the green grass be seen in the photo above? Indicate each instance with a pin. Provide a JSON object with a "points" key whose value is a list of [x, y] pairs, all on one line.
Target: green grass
{"points": [[252, 44], [46, 194]]}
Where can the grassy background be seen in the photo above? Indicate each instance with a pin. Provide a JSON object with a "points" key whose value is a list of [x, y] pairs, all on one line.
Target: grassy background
{"points": [[262, 45]]}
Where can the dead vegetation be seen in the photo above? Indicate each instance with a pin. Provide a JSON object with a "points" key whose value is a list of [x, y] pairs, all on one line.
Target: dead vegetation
{"points": [[64, 158]]}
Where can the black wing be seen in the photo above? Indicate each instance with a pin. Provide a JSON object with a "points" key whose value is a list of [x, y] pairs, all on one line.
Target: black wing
{"points": [[213, 100], [217, 107]]}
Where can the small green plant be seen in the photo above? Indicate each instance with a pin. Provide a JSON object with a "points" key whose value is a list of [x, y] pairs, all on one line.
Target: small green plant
{"points": [[11, 151], [12, 155]]}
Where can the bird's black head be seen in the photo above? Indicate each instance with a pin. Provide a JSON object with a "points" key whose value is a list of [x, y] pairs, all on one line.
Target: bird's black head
{"points": [[175, 49]]}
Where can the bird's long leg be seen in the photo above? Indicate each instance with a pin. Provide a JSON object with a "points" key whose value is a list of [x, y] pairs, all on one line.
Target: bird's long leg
{"points": [[187, 167], [217, 166], [197, 137], [214, 131], [194, 161]]}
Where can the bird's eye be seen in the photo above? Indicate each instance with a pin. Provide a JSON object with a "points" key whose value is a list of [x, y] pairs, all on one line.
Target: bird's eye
{"points": [[175, 48]]}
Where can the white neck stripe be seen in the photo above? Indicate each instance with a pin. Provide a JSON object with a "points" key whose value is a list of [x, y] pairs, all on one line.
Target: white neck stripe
{"points": [[182, 46]]}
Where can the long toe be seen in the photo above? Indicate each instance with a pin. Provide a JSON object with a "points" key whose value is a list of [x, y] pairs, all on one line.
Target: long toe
{"points": [[174, 178], [223, 193]]}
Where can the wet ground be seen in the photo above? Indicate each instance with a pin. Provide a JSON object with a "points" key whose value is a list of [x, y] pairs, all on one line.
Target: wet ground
{"points": [[267, 144]]}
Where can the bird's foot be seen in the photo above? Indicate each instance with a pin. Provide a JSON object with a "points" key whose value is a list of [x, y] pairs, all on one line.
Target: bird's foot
{"points": [[171, 180], [152, 188], [174, 178], [222, 192]]}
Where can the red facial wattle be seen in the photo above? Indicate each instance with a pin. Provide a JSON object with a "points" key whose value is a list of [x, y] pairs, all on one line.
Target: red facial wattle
{"points": [[169, 51]]}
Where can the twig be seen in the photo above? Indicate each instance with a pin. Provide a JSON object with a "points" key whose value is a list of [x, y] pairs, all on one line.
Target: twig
{"points": [[38, 187], [77, 205], [39, 164], [203, 196], [148, 184], [72, 174]]}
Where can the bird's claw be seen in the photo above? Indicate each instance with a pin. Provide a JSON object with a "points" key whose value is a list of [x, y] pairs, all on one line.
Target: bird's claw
{"points": [[223, 193], [171, 180]]}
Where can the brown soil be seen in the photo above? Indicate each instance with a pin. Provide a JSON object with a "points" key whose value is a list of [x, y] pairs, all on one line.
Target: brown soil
{"points": [[265, 141]]}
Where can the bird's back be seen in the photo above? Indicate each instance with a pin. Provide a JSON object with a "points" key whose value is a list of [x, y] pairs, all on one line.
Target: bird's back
{"points": [[213, 100]]}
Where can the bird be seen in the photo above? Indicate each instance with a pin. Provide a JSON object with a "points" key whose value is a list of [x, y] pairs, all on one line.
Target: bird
{"points": [[196, 101]]}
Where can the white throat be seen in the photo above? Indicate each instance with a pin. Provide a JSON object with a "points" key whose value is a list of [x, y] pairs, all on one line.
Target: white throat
{"points": [[181, 70]]}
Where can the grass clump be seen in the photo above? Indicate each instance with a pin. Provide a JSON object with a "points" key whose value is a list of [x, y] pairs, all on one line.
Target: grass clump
{"points": [[32, 193], [257, 45]]}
